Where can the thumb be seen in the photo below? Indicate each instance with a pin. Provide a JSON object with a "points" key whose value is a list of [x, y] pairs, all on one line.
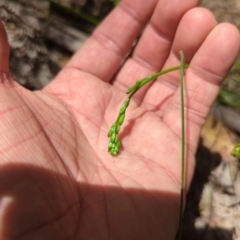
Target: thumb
{"points": [[4, 54]]}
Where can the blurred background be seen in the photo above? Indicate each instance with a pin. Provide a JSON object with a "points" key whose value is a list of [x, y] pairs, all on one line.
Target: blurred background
{"points": [[44, 34]]}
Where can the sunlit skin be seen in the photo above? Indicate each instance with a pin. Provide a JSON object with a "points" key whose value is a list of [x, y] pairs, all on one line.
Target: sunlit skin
{"points": [[57, 179]]}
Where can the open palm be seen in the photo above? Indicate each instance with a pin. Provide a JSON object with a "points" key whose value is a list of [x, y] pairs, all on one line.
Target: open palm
{"points": [[57, 180]]}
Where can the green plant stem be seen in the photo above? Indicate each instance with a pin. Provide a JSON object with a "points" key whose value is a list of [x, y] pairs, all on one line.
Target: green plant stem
{"points": [[114, 143], [182, 191], [148, 79]]}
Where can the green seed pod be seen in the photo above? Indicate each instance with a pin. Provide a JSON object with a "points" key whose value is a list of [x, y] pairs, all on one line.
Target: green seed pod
{"points": [[110, 133], [112, 130], [117, 129], [121, 119], [113, 137], [113, 152], [236, 151], [118, 144], [122, 110], [110, 146], [124, 106]]}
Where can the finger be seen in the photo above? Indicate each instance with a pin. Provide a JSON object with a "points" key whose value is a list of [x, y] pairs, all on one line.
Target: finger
{"points": [[4, 55], [194, 27], [104, 51], [206, 72], [154, 46]]}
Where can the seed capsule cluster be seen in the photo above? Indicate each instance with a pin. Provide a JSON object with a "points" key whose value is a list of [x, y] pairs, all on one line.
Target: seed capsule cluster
{"points": [[114, 143]]}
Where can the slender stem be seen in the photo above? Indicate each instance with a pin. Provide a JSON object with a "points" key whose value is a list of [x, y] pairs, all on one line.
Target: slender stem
{"points": [[182, 191], [146, 80]]}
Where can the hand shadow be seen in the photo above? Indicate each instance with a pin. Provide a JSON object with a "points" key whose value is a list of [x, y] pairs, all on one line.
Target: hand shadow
{"points": [[36, 203]]}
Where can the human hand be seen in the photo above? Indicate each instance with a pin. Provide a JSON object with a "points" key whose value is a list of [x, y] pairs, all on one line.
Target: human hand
{"points": [[57, 179]]}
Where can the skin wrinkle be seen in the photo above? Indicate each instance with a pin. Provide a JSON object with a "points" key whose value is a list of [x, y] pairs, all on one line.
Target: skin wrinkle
{"points": [[160, 109], [19, 143], [109, 44], [131, 198], [80, 210], [129, 176], [146, 162], [10, 122], [9, 109], [188, 140], [159, 34], [102, 108], [96, 104], [130, 12], [145, 63], [197, 105], [150, 191], [174, 18], [60, 117], [42, 192], [45, 224], [61, 188], [90, 121], [164, 80], [168, 172], [160, 166], [67, 169], [97, 157], [87, 160], [42, 129], [50, 141], [78, 167], [60, 95], [193, 116], [60, 136], [110, 173], [87, 206], [123, 176], [201, 72], [80, 174], [105, 202], [190, 110], [111, 99], [172, 133], [29, 231]]}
